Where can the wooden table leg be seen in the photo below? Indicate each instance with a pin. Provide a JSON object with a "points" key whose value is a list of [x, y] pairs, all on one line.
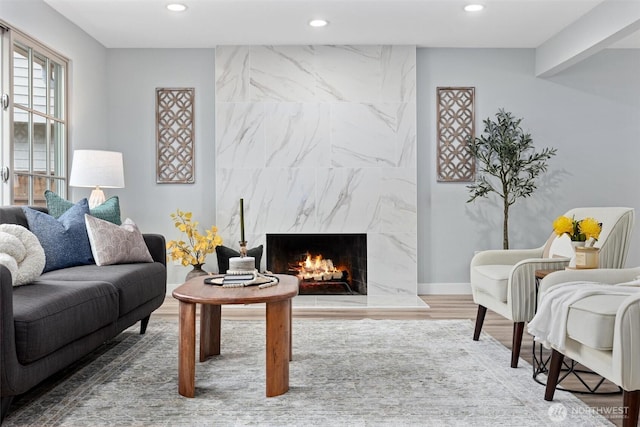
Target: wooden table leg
{"points": [[187, 350], [278, 347], [209, 331], [290, 329]]}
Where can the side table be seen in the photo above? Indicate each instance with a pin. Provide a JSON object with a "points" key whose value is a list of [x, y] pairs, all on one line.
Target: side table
{"points": [[587, 379]]}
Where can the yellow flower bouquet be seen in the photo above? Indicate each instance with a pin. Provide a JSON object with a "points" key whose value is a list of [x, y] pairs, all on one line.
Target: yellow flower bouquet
{"points": [[195, 249], [578, 231]]}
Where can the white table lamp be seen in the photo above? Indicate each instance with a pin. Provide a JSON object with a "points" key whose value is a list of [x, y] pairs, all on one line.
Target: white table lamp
{"points": [[97, 169]]}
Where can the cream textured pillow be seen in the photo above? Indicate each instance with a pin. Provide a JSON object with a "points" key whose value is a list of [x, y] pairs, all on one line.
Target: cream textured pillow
{"points": [[113, 244], [21, 253]]}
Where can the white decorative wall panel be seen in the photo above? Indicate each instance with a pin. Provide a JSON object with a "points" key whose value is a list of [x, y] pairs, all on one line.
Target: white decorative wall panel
{"points": [[321, 139]]}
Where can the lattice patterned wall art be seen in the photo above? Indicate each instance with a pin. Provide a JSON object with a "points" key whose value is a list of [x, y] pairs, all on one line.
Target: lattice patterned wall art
{"points": [[456, 122], [175, 136]]}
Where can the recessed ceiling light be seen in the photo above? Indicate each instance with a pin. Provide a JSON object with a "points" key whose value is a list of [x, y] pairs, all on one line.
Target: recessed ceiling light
{"points": [[473, 7], [176, 7], [318, 22]]}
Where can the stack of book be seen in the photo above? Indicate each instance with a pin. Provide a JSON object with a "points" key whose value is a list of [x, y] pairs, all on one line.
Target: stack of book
{"points": [[238, 278], [241, 279]]}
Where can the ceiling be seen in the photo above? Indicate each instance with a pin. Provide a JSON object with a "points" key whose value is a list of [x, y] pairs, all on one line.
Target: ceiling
{"points": [[425, 23]]}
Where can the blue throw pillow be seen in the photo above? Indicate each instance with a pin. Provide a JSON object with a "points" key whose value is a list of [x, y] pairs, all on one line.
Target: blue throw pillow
{"points": [[109, 210], [64, 240]]}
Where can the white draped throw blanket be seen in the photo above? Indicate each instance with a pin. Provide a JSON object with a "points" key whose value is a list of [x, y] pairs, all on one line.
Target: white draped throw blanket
{"points": [[549, 325]]}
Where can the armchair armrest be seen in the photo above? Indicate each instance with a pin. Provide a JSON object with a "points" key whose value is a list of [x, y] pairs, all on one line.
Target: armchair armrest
{"points": [[626, 344], [8, 358], [157, 247], [505, 256], [521, 287]]}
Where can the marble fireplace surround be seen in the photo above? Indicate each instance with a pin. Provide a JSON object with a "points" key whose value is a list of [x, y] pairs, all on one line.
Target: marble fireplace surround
{"points": [[322, 139]]}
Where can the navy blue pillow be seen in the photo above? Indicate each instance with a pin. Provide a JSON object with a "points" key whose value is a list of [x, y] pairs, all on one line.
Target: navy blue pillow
{"points": [[64, 240]]}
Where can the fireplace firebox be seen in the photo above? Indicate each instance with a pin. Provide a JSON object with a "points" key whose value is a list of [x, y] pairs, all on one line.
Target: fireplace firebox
{"points": [[327, 264]]}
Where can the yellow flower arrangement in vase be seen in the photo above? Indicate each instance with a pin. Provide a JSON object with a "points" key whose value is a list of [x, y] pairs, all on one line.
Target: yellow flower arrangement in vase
{"points": [[578, 231], [194, 250]]}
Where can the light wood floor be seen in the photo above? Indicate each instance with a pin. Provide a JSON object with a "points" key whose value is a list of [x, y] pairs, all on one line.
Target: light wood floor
{"points": [[441, 307]]}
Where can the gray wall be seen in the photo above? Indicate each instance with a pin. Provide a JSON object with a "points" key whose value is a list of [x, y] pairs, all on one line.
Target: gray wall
{"points": [[590, 113], [133, 76], [87, 70]]}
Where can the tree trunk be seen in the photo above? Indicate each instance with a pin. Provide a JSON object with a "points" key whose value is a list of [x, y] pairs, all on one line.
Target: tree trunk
{"points": [[505, 226]]}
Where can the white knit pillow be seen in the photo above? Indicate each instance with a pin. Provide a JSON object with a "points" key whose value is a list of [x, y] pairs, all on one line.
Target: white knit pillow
{"points": [[21, 253], [113, 244]]}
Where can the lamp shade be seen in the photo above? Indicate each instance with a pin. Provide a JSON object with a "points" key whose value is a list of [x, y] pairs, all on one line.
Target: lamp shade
{"points": [[97, 168]]}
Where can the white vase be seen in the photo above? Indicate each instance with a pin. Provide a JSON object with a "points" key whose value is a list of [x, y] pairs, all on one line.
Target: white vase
{"points": [[563, 246], [575, 245]]}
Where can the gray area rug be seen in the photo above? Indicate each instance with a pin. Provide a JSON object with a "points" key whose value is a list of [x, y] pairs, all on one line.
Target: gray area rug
{"points": [[344, 373]]}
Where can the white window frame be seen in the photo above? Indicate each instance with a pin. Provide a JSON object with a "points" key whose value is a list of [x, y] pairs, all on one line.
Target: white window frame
{"points": [[11, 38]]}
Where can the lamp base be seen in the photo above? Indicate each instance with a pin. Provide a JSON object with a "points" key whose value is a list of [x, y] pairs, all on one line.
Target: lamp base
{"points": [[97, 198]]}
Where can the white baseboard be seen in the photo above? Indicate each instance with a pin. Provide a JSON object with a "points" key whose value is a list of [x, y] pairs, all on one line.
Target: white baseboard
{"points": [[444, 288], [423, 288]]}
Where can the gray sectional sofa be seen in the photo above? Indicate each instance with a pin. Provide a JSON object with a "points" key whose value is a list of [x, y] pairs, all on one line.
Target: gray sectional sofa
{"points": [[65, 314]]}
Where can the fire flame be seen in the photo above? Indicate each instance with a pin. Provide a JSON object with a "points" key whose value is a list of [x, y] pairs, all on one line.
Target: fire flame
{"points": [[317, 268]]}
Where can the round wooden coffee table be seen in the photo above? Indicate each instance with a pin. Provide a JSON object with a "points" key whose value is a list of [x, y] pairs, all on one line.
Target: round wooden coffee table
{"points": [[278, 316]]}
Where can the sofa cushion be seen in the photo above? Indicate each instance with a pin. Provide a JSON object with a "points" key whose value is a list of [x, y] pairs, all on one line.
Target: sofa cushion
{"points": [[108, 211], [136, 283], [591, 320], [64, 240], [113, 244], [50, 314], [493, 280]]}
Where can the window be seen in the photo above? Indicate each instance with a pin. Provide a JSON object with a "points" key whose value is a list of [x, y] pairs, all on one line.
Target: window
{"points": [[37, 116]]}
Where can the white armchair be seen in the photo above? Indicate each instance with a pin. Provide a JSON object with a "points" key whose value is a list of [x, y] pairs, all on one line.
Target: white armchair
{"points": [[504, 280], [602, 334]]}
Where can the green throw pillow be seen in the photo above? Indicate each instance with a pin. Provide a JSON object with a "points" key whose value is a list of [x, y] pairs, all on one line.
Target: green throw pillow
{"points": [[108, 211]]}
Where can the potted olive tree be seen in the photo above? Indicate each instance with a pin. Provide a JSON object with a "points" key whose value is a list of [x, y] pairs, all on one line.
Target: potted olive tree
{"points": [[507, 163]]}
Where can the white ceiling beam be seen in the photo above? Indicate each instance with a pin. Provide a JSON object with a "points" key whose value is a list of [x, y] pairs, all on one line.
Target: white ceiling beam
{"points": [[605, 24]]}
